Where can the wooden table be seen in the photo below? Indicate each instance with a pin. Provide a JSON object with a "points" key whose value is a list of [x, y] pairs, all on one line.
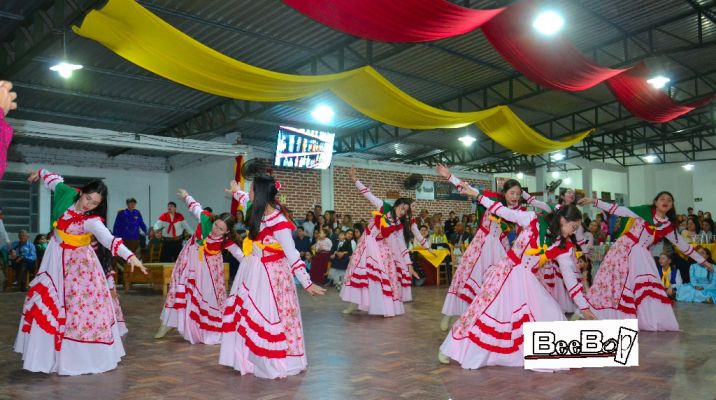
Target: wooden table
{"points": [[159, 274]]}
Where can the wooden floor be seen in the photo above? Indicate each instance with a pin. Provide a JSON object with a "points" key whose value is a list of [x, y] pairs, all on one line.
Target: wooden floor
{"points": [[362, 357]]}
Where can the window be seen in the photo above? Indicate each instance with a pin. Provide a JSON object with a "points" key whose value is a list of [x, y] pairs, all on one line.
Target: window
{"points": [[20, 203]]}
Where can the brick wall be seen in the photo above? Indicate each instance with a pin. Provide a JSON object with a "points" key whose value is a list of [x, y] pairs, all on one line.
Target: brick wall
{"points": [[300, 189], [349, 201]]}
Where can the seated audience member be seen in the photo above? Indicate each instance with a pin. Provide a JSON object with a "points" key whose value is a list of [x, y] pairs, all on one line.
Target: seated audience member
{"points": [[669, 274], [707, 230], [702, 283], [459, 237], [22, 258], [302, 242], [349, 238], [340, 256], [693, 229], [438, 238]]}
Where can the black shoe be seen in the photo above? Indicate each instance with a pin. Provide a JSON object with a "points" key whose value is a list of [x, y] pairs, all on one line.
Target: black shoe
{"points": [[420, 282]]}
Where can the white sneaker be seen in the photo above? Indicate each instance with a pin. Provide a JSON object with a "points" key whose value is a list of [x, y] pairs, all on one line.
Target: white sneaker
{"points": [[443, 358], [445, 323], [163, 330], [351, 308]]}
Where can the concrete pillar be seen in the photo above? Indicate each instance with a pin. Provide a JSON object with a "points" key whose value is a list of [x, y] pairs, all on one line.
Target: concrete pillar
{"points": [[327, 197]]}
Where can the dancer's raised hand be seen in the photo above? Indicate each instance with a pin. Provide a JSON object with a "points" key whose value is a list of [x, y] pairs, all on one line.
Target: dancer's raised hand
{"points": [[352, 174], [182, 194], [8, 98], [34, 176], [442, 170], [233, 187], [588, 314], [708, 266]]}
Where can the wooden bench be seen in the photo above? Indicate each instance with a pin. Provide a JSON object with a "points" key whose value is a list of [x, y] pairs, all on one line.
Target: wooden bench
{"points": [[159, 274]]}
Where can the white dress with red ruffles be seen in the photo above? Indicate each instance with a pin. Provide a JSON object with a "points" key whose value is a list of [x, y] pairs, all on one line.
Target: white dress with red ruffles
{"points": [[490, 331], [627, 284], [263, 332], [68, 324], [197, 292], [373, 279]]}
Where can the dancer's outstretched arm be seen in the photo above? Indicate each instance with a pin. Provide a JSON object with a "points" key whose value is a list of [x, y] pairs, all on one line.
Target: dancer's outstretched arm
{"points": [[194, 206], [570, 275], [96, 227], [235, 191], [531, 200], [610, 208], [297, 266], [375, 201], [688, 249]]}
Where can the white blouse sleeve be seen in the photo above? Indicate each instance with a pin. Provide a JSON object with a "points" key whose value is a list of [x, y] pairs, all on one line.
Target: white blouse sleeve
{"points": [[570, 274], [50, 179], [375, 201], [297, 266], [235, 251], [241, 197], [522, 218], [685, 247], [104, 236], [194, 206], [615, 209], [531, 200]]}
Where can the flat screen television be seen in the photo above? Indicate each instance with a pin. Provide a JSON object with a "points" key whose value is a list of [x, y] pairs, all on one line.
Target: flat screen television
{"points": [[303, 148]]}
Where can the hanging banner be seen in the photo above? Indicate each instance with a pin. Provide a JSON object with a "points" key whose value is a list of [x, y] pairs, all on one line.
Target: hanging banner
{"points": [[426, 191]]}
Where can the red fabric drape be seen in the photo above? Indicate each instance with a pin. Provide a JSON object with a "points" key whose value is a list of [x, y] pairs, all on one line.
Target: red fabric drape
{"points": [[646, 102], [237, 177], [551, 61], [395, 20]]}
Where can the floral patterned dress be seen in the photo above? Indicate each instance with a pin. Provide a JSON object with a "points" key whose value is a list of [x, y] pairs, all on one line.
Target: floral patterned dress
{"points": [[68, 323], [490, 331], [262, 329], [627, 284], [489, 246]]}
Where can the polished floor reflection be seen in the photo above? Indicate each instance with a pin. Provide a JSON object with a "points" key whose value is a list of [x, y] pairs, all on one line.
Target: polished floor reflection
{"points": [[363, 357]]}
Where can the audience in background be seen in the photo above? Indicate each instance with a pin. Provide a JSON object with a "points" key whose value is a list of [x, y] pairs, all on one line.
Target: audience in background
{"points": [[309, 223], [22, 259], [340, 256], [693, 229]]}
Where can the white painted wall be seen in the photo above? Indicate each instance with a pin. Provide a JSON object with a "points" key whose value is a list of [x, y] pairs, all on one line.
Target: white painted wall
{"points": [[121, 183], [610, 181], [646, 181], [527, 181], [204, 178]]}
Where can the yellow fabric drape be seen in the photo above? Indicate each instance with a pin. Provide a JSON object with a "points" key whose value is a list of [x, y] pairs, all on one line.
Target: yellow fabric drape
{"points": [[248, 246], [141, 37], [434, 259]]}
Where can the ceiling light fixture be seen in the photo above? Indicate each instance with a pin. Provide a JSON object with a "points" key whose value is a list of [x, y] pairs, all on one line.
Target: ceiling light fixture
{"points": [[64, 68], [688, 167], [650, 158], [548, 23], [658, 81], [520, 175], [555, 174], [467, 140], [323, 114], [557, 156]]}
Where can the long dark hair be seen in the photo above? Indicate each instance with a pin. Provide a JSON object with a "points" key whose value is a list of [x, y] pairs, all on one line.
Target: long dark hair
{"points": [[265, 191], [560, 200], [405, 219], [571, 213], [696, 222], [101, 189], [671, 214]]}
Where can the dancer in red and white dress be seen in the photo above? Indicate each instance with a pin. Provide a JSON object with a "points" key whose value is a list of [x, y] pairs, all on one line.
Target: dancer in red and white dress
{"points": [[398, 244], [487, 248], [197, 292], [550, 274], [263, 332], [68, 321], [490, 331], [627, 284], [373, 279]]}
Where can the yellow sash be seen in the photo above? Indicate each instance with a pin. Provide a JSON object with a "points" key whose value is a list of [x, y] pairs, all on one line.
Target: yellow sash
{"points": [[666, 277], [383, 220], [205, 249], [73, 240], [499, 222], [248, 246], [542, 254]]}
